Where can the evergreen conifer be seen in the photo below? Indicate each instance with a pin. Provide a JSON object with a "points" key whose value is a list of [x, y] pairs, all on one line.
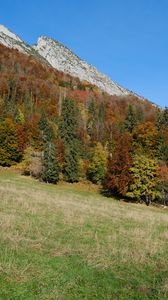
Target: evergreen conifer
{"points": [[68, 126]]}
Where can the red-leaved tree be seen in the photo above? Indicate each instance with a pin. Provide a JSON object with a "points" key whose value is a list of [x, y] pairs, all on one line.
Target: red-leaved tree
{"points": [[118, 177]]}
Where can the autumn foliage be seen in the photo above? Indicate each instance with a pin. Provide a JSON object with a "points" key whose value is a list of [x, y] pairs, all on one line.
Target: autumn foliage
{"points": [[96, 136], [118, 175]]}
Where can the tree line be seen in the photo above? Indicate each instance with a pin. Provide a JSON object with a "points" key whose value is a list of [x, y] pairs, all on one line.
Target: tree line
{"points": [[132, 164]]}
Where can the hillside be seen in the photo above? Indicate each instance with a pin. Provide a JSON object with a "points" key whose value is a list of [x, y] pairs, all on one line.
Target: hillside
{"points": [[44, 84], [12, 41], [58, 56], [54, 126], [62, 59], [83, 160], [24, 77], [62, 243]]}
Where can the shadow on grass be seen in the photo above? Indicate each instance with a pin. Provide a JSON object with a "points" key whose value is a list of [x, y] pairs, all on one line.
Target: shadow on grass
{"points": [[116, 196]]}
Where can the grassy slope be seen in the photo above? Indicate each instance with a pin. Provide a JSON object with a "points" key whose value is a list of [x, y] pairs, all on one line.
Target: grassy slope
{"points": [[60, 243]]}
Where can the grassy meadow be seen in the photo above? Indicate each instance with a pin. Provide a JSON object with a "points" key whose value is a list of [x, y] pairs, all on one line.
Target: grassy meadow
{"points": [[62, 242]]}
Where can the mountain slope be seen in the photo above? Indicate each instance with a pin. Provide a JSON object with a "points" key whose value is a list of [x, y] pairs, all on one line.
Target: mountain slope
{"points": [[61, 58], [11, 40], [64, 60]]}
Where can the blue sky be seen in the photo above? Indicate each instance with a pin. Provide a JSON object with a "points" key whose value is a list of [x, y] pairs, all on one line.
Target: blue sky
{"points": [[125, 39]]}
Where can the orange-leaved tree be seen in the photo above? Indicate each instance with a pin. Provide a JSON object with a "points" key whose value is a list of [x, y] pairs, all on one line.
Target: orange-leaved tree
{"points": [[118, 177], [9, 145]]}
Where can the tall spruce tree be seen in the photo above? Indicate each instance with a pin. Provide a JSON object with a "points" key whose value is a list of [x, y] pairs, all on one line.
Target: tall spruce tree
{"points": [[165, 117], [92, 121], [50, 170], [130, 120], [162, 147], [162, 119], [44, 125], [68, 126], [162, 138]]}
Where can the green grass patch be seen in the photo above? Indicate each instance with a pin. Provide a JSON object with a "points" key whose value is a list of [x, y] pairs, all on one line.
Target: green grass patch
{"points": [[59, 242]]}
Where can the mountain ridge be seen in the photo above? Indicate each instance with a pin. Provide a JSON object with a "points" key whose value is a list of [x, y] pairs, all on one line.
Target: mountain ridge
{"points": [[61, 58]]}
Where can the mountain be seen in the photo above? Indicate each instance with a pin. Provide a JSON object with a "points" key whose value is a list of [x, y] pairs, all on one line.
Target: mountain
{"points": [[64, 60], [33, 94], [11, 40], [61, 58]]}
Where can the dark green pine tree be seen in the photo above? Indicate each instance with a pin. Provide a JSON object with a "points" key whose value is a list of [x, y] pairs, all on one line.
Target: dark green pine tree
{"points": [[159, 119], [131, 119], [92, 120], [68, 126], [50, 166], [162, 119], [165, 118], [71, 163], [43, 119], [162, 148], [140, 115], [161, 144], [28, 107], [50, 172]]}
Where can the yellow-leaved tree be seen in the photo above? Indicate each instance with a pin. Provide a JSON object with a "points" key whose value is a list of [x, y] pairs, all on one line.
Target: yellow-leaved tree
{"points": [[98, 166], [144, 173]]}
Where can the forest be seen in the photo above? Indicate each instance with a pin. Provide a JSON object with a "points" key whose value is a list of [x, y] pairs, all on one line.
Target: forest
{"points": [[55, 127]]}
